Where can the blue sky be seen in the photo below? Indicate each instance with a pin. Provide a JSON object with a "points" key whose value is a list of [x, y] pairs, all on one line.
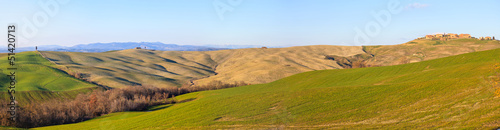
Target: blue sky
{"points": [[249, 22]]}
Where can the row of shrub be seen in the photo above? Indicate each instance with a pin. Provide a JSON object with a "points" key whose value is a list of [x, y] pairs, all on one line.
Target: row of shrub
{"points": [[98, 103], [356, 61]]}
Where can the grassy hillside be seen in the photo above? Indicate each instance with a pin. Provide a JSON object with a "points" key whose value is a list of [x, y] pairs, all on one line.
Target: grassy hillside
{"points": [[423, 49], [175, 68], [136, 67], [37, 78], [253, 65], [35, 73], [257, 65], [452, 92]]}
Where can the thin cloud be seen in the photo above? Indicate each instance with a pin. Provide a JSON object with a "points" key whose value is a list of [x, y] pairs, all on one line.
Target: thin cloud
{"points": [[416, 6]]}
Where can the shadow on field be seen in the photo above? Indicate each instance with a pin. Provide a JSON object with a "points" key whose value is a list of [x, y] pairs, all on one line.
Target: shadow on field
{"points": [[154, 108], [187, 100]]}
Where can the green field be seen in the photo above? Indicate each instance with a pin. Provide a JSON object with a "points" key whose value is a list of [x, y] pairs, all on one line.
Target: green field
{"points": [[452, 92], [39, 79]]}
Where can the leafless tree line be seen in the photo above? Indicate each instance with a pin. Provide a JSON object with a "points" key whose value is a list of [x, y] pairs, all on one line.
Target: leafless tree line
{"points": [[98, 103]]}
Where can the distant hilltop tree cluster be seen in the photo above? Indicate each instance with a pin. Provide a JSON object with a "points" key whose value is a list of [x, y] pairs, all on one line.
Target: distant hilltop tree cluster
{"points": [[445, 36]]}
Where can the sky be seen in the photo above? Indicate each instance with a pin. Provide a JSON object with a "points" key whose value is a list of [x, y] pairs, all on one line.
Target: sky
{"points": [[244, 22]]}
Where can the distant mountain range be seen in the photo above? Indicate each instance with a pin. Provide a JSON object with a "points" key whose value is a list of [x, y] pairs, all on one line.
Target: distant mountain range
{"points": [[103, 47]]}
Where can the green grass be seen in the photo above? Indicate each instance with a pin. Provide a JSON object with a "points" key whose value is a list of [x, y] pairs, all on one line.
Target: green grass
{"points": [[35, 73], [452, 93], [438, 43], [26, 97], [38, 79]]}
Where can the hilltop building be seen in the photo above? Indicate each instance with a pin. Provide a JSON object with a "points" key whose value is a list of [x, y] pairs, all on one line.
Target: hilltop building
{"points": [[464, 36], [452, 36], [448, 36], [429, 36]]}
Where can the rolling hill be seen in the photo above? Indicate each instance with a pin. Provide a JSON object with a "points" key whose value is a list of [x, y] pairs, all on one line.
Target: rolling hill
{"points": [[252, 65], [38, 79], [453, 93], [423, 49], [175, 68]]}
